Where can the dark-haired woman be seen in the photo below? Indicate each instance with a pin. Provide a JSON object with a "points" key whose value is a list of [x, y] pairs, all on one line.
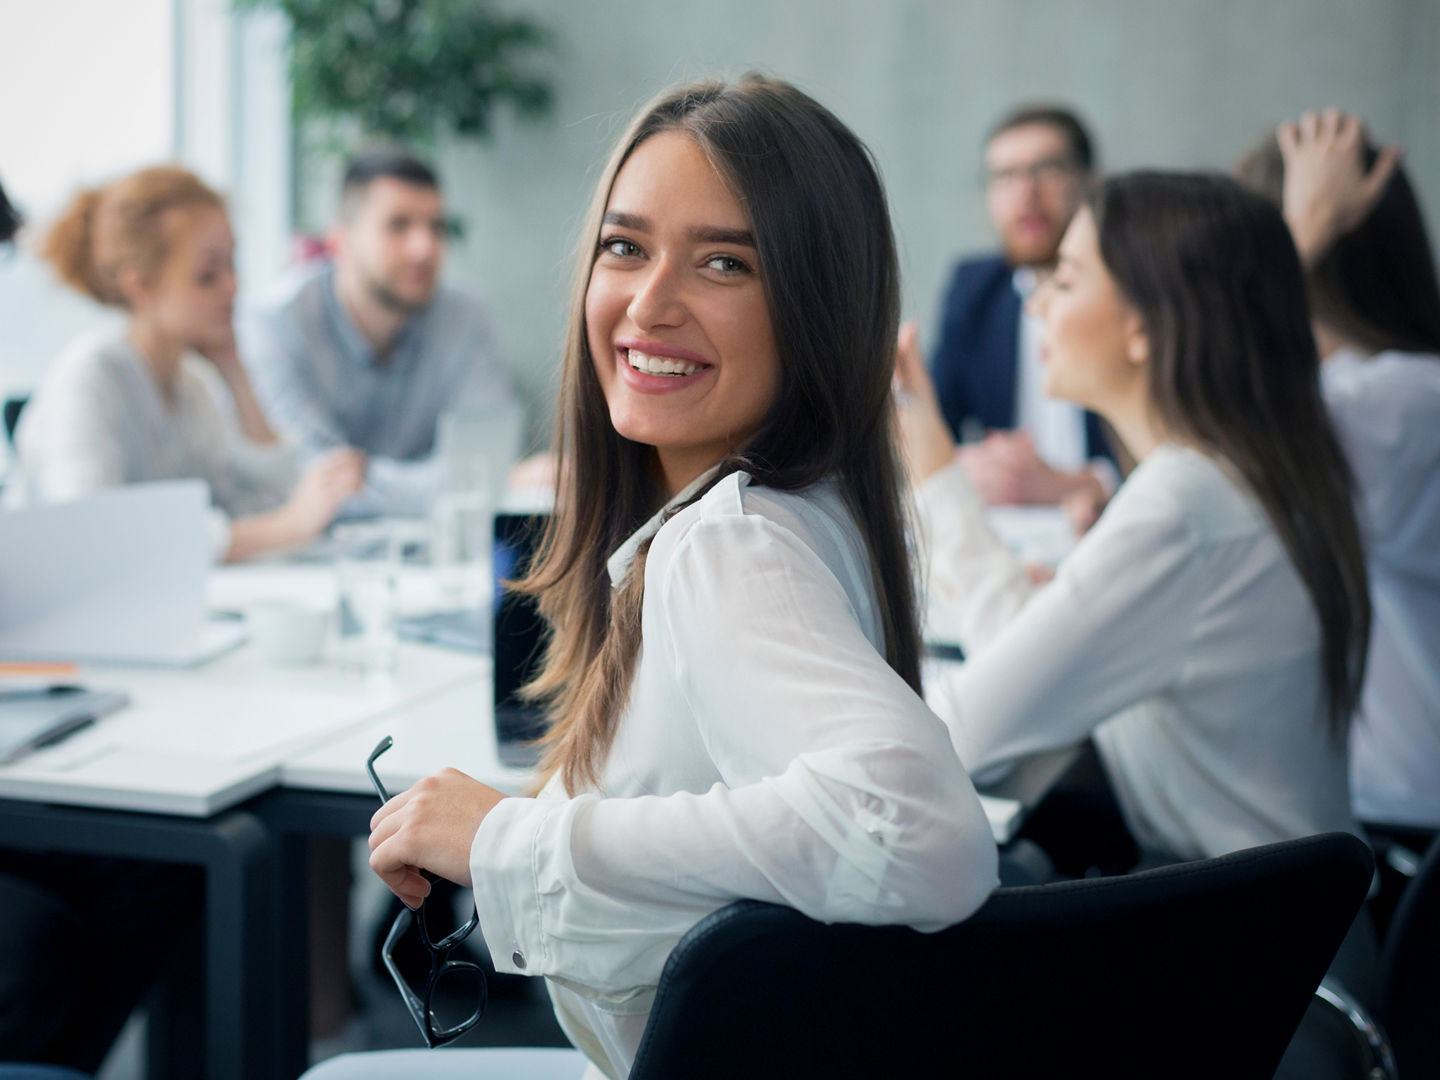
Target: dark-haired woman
{"points": [[734, 665], [1376, 309], [1209, 632]]}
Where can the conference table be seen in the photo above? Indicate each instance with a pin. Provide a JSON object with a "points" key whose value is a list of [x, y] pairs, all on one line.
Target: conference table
{"points": [[232, 766], [175, 776]]}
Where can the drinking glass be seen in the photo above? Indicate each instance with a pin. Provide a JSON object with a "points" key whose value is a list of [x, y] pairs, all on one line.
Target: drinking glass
{"points": [[367, 566]]}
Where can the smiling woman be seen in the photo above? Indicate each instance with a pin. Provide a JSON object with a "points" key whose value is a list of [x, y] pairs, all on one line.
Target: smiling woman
{"points": [[679, 324], [733, 662]]}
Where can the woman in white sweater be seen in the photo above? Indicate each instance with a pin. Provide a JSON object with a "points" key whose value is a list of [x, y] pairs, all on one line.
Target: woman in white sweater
{"points": [[734, 667], [1209, 631], [1375, 302], [134, 407]]}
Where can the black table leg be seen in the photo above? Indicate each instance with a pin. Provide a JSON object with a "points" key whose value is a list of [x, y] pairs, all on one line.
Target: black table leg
{"points": [[240, 860]]}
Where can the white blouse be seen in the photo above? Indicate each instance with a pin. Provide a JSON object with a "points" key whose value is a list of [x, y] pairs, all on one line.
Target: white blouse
{"points": [[100, 419], [1178, 633], [1387, 411], [767, 751]]}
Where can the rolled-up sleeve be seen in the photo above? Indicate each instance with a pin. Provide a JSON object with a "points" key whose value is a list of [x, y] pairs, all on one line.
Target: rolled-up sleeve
{"points": [[839, 794], [974, 583]]}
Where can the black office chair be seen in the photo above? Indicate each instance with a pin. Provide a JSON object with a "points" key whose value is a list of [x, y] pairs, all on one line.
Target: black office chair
{"points": [[1200, 970], [13, 407], [1409, 1005], [1343, 1037]]}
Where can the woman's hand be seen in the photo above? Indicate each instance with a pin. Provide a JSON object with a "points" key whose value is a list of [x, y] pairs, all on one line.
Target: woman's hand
{"points": [[925, 440], [1006, 470], [220, 349], [1327, 190], [431, 826]]}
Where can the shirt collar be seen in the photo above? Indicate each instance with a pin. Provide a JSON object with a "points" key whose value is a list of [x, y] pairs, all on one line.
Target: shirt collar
{"points": [[353, 342], [355, 345], [618, 564], [1025, 279]]}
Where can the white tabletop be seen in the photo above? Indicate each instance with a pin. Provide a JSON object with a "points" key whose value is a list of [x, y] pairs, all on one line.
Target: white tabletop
{"points": [[453, 729], [195, 741]]}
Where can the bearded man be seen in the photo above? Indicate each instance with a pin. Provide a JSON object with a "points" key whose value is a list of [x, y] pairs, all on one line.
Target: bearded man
{"points": [[371, 350]]}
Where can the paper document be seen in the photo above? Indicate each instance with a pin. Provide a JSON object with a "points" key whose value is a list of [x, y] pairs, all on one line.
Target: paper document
{"points": [[1004, 817]]}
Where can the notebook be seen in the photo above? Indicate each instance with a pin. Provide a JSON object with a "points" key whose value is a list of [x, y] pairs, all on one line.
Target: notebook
{"points": [[32, 719], [118, 577]]}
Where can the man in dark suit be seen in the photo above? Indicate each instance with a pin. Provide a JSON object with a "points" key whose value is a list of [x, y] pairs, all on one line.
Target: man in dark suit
{"points": [[986, 365]]}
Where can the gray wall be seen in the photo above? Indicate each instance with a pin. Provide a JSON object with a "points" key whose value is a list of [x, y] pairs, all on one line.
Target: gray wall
{"points": [[1183, 83]]}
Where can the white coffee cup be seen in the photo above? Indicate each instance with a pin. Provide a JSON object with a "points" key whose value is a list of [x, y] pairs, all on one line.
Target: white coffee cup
{"points": [[285, 632]]}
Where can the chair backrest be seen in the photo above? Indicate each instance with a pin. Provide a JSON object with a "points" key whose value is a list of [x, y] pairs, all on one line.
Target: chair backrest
{"points": [[13, 407], [1409, 1005], [1199, 969]]}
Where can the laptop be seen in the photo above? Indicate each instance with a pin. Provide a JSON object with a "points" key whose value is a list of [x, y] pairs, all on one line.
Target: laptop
{"points": [[519, 640], [115, 578]]}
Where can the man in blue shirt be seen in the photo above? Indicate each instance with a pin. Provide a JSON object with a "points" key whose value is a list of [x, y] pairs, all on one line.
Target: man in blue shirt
{"points": [[371, 350], [986, 365]]}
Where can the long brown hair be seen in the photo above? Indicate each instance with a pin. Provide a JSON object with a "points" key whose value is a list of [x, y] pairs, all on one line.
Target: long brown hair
{"points": [[827, 258], [106, 229], [1377, 283], [1213, 272]]}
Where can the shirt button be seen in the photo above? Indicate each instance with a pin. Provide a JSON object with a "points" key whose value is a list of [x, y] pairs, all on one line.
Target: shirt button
{"points": [[518, 959]]}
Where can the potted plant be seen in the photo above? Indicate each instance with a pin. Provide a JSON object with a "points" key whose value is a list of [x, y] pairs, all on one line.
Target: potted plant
{"points": [[408, 70]]}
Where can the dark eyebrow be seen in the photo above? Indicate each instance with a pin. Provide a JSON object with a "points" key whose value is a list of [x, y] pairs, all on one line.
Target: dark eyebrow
{"points": [[702, 234], [711, 234], [626, 221]]}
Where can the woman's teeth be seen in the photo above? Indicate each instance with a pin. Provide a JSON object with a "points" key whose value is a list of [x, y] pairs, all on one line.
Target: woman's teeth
{"points": [[660, 365]]}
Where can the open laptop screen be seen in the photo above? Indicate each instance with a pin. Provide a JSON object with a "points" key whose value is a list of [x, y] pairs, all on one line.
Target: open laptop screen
{"points": [[519, 638]]}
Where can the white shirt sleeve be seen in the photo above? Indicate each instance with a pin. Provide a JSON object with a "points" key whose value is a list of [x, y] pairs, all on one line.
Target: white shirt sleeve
{"points": [[68, 443], [1386, 428], [275, 362], [1107, 633], [974, 584], [839, 794]]}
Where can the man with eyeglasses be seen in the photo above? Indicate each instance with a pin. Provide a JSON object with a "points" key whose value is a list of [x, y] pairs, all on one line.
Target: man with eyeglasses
{"points": [[1019, 446]]}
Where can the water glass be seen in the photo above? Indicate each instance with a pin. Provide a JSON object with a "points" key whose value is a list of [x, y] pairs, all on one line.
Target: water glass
{"points": [[460, 546], [367, 567]]}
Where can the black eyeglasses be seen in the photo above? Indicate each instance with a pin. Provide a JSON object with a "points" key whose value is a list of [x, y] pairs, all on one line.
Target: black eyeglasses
{"points": [[455, 991], [1042, 173]]}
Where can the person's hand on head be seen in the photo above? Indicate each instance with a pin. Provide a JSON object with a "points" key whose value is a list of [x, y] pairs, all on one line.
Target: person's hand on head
{"points": [[925, 440], [431, 826], [220, 349], [1328, 190]]}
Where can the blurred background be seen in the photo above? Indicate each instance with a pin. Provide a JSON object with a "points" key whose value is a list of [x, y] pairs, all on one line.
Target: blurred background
{"points": [[93, 88]]}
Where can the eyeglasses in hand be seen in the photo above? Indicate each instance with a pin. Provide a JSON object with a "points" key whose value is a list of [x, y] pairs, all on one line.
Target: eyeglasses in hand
{"points": [[455, 992]]}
